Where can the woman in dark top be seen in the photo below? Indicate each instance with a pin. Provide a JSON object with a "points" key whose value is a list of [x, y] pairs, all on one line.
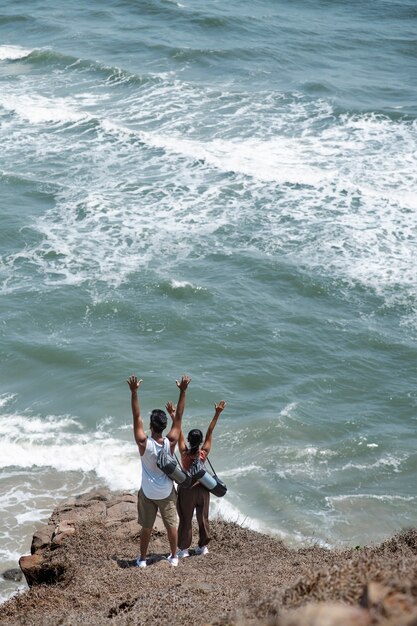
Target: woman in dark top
{"points": [[197, 497]]}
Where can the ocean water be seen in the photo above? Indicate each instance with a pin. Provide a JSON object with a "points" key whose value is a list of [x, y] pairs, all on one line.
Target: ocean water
{"points": [[222, 189]]}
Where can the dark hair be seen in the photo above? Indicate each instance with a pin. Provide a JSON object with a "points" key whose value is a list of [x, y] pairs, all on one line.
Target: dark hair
{"points": [[158, 420], [195, 439]]}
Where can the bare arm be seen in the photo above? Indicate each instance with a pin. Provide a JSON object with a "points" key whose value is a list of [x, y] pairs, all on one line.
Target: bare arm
{"points": [[182, 446], [175, 431], [171, 408], [218, 408], [138, 430]]}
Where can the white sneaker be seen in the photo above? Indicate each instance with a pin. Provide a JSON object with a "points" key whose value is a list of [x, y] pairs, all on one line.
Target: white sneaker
{"points": [[140, 563], [173, 560], [181, 554], [201, 551]]}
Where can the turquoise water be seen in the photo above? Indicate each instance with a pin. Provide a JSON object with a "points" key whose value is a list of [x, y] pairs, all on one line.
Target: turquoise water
{"points": [[222, 190]]}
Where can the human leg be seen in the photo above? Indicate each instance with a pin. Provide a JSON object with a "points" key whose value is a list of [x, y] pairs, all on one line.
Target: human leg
{"points": [[168, 510], [202, 513], [173, 539], [147, 510], [185, 508], [145, 537]]}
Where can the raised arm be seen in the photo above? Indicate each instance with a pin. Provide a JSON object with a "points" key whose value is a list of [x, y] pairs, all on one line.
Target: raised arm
{"points": [[218, 408], [175, 431], [138, 430], [171, 408], [182, 446]]}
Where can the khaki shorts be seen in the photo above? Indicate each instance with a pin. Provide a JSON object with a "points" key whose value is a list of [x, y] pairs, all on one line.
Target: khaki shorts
{"points": [[147, 510]]}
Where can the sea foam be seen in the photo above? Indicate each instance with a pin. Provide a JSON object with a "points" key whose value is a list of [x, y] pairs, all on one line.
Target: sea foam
{"points": [[52, 443], [13, 52], [341, 199]]}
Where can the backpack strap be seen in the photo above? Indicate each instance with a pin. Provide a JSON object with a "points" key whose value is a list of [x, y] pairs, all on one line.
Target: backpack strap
{"points": [[212, 468], [179, 463]]}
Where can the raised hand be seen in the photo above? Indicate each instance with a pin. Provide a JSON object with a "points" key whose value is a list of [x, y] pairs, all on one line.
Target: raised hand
{"points": [[171, 408], [183, 383], [218, 408], [134, 383]]}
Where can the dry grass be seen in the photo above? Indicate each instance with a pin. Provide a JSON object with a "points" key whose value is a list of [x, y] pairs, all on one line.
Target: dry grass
{"points": [[246, 577]]}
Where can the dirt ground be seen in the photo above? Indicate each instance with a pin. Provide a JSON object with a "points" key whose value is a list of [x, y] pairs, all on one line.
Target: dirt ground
{"points": [[247, 578]]}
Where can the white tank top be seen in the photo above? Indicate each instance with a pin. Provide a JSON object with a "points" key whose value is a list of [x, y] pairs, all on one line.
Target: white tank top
{"points": [[155, 484]]}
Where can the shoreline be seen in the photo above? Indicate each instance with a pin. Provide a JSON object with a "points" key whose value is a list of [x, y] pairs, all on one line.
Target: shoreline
{"points": [[82, 571]]}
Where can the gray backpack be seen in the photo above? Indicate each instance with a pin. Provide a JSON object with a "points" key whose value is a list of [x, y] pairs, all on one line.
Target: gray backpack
{"points": [[168, 464]]}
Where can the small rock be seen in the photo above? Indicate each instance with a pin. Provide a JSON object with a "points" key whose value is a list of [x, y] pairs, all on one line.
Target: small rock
{"points": [[130, 497], [69, 503], [87, 511], [62, 531], [41, 538], [102, 495], [31, 566], [64, 526], [373, 594], [13, 574], [123, 512], [385, 600], [327, 614]]}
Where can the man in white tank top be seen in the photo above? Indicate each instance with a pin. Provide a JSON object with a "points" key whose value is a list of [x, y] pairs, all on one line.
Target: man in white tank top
{"points": [[157, 491]]}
